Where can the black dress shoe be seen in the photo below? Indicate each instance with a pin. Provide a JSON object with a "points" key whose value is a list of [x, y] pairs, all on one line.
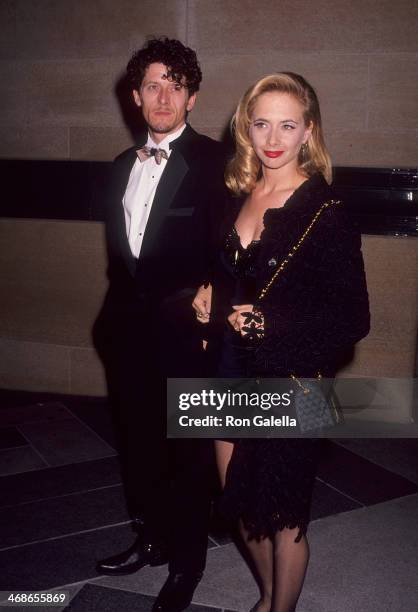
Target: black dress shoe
{"points": [[131, 560], [177, 593]]}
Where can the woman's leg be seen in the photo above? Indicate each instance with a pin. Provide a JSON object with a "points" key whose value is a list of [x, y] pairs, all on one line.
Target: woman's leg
{"points": [[261, 551], [223, 451], [290, 563]]}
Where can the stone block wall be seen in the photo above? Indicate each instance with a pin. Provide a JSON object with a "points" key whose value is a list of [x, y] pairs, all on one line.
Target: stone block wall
{"points": [[60, 65], [61, 60], [53, 281]]}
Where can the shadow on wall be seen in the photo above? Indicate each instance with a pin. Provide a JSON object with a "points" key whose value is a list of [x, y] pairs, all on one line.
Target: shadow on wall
{"points": [[131, 114]]}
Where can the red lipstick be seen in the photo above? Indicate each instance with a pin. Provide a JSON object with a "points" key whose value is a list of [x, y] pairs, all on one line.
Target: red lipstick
{"points": [[273, 154]]}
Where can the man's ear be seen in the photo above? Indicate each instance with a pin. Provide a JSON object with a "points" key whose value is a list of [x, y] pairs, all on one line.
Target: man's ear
{"points": [[191, 102], [137, 97]]}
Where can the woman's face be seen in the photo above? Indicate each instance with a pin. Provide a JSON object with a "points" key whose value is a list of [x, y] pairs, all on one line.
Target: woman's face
{"points": [[278, 129]]}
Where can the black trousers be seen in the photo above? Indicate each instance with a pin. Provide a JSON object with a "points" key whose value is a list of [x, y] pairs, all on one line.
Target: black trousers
{"points": [[168, 483]]}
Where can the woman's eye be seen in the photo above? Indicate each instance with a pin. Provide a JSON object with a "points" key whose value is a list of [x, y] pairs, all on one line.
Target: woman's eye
{"points": [[288, 126], [259, 124]]}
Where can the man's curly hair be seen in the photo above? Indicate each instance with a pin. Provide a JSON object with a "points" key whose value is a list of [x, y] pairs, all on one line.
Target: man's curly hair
{"points": [[181, 62]]}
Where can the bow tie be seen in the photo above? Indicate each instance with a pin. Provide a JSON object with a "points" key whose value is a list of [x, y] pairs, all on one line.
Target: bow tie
{"points": [[147, 152]]}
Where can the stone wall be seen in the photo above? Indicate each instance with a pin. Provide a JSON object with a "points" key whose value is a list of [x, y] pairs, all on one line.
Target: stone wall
{"points": [[60, 65], [61, 61], [53, 281]]}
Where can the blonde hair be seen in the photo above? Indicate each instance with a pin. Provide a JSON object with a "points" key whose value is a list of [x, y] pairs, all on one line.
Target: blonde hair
{"points": [[243, 170]]}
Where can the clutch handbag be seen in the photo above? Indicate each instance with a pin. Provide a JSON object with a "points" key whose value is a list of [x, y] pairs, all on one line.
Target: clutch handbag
{"points": [[315, 402]]}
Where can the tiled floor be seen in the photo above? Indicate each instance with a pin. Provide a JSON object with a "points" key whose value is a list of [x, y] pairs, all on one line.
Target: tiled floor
{"points": [[62, 508]]}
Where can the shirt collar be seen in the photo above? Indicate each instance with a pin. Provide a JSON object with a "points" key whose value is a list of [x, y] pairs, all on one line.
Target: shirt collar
{"points": [[165, 143]]}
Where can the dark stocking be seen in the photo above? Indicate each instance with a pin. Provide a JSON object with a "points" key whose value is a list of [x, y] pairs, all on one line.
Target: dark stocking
{"points": [[290, 563], [261, 552]]}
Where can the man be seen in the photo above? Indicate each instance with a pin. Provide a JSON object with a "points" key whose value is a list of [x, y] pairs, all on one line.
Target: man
{"points": [[164, 195]]}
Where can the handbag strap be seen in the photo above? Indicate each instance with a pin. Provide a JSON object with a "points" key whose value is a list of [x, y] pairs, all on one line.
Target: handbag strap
{"points": [[296, 247]]}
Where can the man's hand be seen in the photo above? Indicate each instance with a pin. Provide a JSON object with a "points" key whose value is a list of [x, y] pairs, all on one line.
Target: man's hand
{"points": [[202, 303]]}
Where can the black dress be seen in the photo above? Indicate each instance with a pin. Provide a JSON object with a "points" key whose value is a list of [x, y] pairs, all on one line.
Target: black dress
{"points": [[269, 482], [312, 316]]}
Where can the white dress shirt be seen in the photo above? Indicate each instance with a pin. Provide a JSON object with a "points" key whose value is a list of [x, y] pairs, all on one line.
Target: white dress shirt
{"points": [[140, 191]]}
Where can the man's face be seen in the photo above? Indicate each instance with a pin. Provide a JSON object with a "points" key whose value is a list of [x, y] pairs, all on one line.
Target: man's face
{"points": [[164, 103]]}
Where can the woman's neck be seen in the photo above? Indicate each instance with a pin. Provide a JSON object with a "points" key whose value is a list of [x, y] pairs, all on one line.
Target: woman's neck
{"points": [[281, 179]]}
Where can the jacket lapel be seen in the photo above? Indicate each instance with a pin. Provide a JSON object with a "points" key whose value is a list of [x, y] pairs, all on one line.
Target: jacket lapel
{"points": [[168, 186]]}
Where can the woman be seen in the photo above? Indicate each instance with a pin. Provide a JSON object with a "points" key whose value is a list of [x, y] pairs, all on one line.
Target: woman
{"points": [[312, 314]]}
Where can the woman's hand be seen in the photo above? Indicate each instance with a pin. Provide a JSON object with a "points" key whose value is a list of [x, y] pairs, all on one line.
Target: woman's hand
{"points": [[246, 320], [202, 303]]}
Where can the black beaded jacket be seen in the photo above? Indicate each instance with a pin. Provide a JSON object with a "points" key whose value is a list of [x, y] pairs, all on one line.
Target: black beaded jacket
{"points": [[317, 308]]}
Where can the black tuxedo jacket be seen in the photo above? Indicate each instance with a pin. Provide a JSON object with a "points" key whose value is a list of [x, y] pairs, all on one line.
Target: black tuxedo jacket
{"points": [[156, 291], [177, 242]]}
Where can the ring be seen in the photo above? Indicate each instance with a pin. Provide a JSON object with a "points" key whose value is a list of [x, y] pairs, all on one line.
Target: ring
{"points": [[199, 315]]}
